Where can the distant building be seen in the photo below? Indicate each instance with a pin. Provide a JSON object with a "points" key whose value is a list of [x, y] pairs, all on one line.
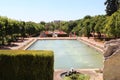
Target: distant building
{"points": [[55, 33]]}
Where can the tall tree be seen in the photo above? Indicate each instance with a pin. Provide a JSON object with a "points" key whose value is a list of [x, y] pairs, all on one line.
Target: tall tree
{"points": [[87, 27], [71, 26], [113, 25], [112, 6]]}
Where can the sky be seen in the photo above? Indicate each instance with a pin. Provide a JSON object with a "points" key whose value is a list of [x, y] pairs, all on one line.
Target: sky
{"points": [[50, 10]]}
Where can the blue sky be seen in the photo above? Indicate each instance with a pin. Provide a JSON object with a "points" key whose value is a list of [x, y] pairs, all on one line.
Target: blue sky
{"points": [[49, 10]]}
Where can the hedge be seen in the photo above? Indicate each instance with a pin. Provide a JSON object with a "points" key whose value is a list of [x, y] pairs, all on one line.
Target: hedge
{"points": [[26, 65], [62, 35]]}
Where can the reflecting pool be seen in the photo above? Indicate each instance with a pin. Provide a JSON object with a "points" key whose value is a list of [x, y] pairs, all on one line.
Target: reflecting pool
{"points": [[70, 53]]}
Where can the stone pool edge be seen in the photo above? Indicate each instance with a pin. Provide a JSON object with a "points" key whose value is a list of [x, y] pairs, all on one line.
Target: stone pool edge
{"points": [[29, 44], [92, 45], [47, 38], [94, 75]]}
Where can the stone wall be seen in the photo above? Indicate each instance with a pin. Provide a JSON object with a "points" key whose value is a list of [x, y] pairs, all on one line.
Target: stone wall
{"points": [[111, 69]]}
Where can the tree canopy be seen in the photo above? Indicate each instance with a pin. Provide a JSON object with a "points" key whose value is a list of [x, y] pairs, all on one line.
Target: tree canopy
{"points": [[111, 6], [109, 26], [12, 30]]}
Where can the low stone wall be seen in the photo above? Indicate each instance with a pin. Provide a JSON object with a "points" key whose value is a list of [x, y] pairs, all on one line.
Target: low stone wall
{"points": [[111, 69]]}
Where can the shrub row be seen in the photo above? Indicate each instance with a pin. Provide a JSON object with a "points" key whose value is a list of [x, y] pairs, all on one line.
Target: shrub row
{"points": [[26, 65], [62, 35]]}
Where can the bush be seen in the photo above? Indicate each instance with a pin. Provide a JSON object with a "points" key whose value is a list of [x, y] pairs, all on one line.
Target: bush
{"points": [[26, 65], [62, 35], [77, 77]]}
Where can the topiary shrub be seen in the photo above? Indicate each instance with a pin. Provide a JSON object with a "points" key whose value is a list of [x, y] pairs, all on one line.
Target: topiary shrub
{"points": [[26, 65]]}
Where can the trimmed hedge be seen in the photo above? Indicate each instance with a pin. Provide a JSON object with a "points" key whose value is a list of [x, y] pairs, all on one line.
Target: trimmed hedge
{"points": [[26, 65], [62, 35]]}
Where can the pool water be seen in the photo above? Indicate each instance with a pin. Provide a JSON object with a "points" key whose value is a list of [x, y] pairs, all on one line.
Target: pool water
{"points": [[70, 53]]}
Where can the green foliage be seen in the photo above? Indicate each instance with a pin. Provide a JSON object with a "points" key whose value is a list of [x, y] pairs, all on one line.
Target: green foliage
{"points": [[11, 29], [113, 25], [26, 65], [99, 26], [77, 77], [86, 25], [62, 35], [91, 25], [71, 26], [112, 6]]}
